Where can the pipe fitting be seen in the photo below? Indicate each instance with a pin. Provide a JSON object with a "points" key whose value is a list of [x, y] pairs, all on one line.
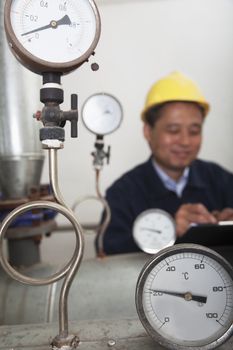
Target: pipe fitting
{"points": [[65, 343]]}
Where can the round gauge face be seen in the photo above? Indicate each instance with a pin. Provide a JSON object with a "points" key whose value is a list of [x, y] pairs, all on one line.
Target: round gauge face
{"points": [[55, 34], [184, 297], [153, 230], [102, 114]]}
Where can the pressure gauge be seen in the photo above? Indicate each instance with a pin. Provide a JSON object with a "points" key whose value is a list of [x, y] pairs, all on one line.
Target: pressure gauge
{"points": [[184, 298], [55, 35], [102, 114], [153, 230]]}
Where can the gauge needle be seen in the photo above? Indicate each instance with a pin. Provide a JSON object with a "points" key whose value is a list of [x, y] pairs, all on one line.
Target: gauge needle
{"points": [[187, 296], [150, 229], [53, 24]]}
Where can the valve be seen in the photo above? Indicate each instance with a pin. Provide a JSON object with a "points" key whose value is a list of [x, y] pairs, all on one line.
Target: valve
{"points": [[52, 117], [100, 154]]}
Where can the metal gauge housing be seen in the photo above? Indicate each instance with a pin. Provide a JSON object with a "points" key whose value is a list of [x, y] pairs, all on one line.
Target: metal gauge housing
{"points": [[184, 298], [102, 114], [153, 230], [55, 35]]}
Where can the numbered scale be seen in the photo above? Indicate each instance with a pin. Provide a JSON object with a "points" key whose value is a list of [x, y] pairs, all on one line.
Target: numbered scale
{"points": [[184, 298], [52, 36], [153, 230]]}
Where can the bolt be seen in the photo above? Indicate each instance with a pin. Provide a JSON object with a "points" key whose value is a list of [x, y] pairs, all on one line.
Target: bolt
{"points": [[111, 343], [94, 67]]}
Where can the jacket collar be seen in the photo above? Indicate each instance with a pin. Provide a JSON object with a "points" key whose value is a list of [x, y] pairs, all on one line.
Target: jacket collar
{"points": [[156, 186]]}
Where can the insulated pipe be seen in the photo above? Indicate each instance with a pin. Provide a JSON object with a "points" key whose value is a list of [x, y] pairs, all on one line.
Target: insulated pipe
{"points": [[21, 155], [103, 289]]}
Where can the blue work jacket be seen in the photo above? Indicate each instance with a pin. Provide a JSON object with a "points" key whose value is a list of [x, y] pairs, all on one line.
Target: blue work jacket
{"points": [[141, 188]]}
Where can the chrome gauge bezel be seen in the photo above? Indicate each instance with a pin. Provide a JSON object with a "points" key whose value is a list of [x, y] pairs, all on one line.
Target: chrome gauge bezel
{"points": [[147, 269], [89, 116], [40, 66]]}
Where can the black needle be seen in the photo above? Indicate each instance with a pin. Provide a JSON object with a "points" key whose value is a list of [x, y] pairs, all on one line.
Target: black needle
{"points": [[150, 229], [187, 296], [53, 24]]}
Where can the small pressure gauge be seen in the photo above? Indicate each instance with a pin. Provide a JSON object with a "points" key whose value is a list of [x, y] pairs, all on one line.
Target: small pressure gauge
{"points": [[102, 114], [184, 298], [153, 230], [52, 36]]}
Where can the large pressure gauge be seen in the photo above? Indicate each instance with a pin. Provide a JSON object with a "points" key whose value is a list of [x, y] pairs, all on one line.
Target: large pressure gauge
{"points": [[102, 114], [184, 298], [153, 230], [52, 35]]}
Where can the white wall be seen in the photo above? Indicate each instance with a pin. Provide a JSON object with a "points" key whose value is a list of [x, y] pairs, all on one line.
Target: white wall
{"points": [[142, 41]]}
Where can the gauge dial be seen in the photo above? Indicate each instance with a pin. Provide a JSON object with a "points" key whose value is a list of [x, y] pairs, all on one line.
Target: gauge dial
{"points": [[58, 35], [153, 230], [102, 114], [184, 297]]}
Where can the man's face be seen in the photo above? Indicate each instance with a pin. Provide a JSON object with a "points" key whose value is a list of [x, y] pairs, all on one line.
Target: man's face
{"points": [[176, 136]]}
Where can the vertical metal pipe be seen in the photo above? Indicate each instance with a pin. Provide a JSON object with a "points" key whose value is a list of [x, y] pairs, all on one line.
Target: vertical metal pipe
{"points": [[77, 258], [21, 155], [53, 176]]}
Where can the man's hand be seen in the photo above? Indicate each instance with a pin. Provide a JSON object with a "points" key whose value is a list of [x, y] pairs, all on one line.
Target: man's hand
{"points": [[192, 213], [223, 215]]}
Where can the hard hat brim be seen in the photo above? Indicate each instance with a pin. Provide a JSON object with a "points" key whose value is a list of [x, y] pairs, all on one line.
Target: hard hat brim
{"points": [[204, 105]]}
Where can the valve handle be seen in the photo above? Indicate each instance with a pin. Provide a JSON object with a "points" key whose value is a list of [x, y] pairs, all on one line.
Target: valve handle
{"points": [[74, 121], [74, 101], [108, 154]]}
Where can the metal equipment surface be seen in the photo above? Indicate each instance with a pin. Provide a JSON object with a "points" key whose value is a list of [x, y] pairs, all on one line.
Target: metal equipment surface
{"points": [[21, 155], [94, 335], [103, 289]]}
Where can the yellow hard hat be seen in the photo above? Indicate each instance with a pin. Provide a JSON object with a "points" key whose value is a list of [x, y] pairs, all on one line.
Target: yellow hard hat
{"points": [[174, 87]]}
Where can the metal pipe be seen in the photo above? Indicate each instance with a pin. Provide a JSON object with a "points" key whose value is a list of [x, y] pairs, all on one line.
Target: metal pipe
{"points": [[31, 206], [69, 271], [21, 154], [50, 302], [76, 259], [100, 229], [106, 220], [53, 175]]}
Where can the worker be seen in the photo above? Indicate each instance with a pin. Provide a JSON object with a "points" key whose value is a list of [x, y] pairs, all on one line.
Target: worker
{"points": [[173, 178]]}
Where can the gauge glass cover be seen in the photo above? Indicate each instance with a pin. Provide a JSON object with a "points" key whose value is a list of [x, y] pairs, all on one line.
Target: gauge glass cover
{"points": [[55, 32], [102, 114], [184, 297], [153, 230]]}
